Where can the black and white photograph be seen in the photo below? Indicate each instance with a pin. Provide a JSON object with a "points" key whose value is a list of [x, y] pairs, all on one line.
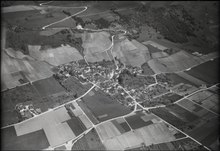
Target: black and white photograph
{"points": [[110, 75]]}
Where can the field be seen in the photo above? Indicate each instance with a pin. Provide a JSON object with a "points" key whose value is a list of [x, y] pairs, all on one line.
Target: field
{"points": [[139, 120], [206, 99], [89, 141], [10, 141], [146, 69], [131, 52], [30, 19], [53, 123], [94, 44], [102, 105], [121, 125], [74, 86], [201, 126], [205, 73], [16, 72], [48, 86], [164, 99], [176, 62], [186, 144], [55, 56], [155, 133]]}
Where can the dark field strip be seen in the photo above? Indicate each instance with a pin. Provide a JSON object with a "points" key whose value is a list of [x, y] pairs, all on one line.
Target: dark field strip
{"points": [[207, 72], [32, 141], [100, 104], [118, 126], [136, 122], [76, 125], [125, 127], [87, 112], [48, 86]]}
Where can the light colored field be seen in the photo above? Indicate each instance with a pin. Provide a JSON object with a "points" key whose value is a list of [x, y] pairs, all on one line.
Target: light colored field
{"points": [[58, 134], [56, 56], [53, 123], [129, 139], [18, 8], [33, 70], [85, 121], [112, 144], [131, 52], [107, 130], [175, 62], [95, 45], [155, 133], [155, 44], [51, 118]]}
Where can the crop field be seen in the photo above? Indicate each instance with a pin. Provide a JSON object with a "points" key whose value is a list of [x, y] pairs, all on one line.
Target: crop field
{"points": [[139, 120], [26, 70], [74, 86], [205, 73], [48, 86], [54, 125], [121, 125], [89, 141], [195, 81], [76, 125], [146, 69], [131, 52], [192, 107], [185, 144], [38, 19], [207, 133], [176, 62], [206, 99], [55, 56], [11, 141], [88, 112], [101, 105], [107, 130]]}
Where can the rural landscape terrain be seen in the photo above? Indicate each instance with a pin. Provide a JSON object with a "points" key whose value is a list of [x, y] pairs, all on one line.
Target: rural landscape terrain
{"points": [[111, 75]]}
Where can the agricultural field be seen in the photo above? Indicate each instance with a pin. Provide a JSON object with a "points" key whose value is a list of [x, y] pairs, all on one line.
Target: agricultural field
{"points": [[101, 105], [10, 140], [206, 99], [176, 62], [30, 19], [73, 85], [89, 141], [122, 125], [54, 124], [201, 126], [165, 99], [48, 86], [16, 72], [131, 52], [185, 144], [56, 56], [146, 69], [139, 120], [205, 73], [172, 79], [154, 133]]}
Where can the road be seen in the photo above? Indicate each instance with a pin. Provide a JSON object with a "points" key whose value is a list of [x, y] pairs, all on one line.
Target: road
{"points": [[94, 85]]}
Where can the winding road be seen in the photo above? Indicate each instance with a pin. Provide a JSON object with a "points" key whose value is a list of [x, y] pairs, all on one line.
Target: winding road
{"points": [[95, 84]]}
